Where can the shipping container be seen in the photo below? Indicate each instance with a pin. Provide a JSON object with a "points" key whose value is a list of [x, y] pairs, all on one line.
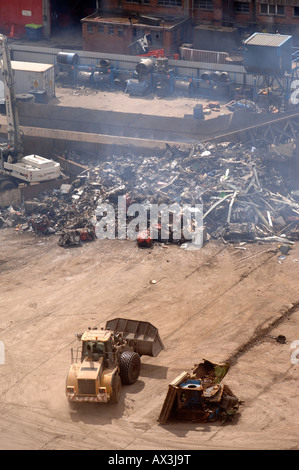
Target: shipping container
{"points": [[30, 76]]}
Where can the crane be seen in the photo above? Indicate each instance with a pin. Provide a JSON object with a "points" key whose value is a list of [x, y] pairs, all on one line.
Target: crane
{"points": [[14, 166]]}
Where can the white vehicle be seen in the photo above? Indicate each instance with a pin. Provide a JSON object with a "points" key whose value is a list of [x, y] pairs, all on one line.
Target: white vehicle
{"points": [[14, 166]]}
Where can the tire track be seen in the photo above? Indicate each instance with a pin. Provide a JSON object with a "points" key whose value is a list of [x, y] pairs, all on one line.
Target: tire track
{"points": [[260, 333], [221, 294]]}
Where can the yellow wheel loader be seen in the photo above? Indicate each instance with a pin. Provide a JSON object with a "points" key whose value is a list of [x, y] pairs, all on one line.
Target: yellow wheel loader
{"points": [[109, 357]]}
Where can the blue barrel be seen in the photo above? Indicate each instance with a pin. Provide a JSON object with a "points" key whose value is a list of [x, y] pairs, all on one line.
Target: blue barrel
{"points": [[205, 76], [198, 111], [136, 87], [67, 58]]}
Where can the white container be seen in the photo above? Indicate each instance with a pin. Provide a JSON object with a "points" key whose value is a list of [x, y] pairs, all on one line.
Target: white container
{"points": [[30, 76]]}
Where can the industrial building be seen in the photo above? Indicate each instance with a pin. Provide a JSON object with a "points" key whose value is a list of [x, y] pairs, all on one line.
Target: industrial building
{"points": [[117, 24]]}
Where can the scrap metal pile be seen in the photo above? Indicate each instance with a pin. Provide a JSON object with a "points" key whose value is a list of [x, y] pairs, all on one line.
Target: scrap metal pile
{"points": [[67, 212], [244, 197], [200, 395]]}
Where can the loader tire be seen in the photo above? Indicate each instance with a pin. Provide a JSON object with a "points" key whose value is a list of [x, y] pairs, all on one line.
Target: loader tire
{"points": [[129, 366], [116, 388], [6, 185]]}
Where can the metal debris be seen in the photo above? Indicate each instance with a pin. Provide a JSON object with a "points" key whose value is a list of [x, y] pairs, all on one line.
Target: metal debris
{"points": [[200, 396], [243, 198]]}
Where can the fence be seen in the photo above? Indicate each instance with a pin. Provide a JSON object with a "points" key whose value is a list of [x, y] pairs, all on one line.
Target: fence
{"points": [[197, 55]]}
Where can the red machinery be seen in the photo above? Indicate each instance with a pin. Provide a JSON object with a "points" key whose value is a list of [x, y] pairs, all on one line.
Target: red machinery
{"points": [[144, 239], [156, 53]]}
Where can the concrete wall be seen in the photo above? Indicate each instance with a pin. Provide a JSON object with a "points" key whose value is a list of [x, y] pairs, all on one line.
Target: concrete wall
{"points": [[119, 124]]}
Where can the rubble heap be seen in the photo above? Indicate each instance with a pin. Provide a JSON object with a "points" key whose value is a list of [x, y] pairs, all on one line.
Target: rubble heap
{"points": [[200, 395], [243, 197]]}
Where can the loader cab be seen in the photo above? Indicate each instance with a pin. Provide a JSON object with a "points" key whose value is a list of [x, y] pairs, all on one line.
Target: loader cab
{"points": [[7, 155], [96, 344], [93, 350]]}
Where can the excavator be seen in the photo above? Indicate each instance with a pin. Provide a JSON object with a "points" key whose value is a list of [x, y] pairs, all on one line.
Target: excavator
{"points": [[14, 166]]}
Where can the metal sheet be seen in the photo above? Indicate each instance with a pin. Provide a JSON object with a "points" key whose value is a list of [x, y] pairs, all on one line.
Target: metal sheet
{"points": [[265, 39]]}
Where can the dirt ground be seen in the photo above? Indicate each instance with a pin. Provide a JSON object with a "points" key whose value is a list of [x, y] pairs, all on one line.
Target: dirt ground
{"points": [[105, 100], [219, 303]]}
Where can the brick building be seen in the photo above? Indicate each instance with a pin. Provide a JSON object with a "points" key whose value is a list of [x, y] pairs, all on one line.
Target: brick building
{"points": [[281, 16], [130, 35], [247, 16], [256, 14], [174, 20], [267, 15]]}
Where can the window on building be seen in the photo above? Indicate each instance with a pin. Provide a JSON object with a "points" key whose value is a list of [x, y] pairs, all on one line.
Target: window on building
{"points": [[272, 9], [101, 28], [120, 32], [203, 4], [156, 38], [110, 29], [90, 28], [241, 7], [170, 3], [296, 11]]}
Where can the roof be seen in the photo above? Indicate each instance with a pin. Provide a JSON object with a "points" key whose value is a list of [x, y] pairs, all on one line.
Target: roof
{"points": [[96, 335], [30, 66], [126, 20], [266, 39], [217, 29]]}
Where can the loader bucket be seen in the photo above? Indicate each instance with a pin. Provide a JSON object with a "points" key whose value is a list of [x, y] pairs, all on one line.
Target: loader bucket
{"points": [[142, 336]]}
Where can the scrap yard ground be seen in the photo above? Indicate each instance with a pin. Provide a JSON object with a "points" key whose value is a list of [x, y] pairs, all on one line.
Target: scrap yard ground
{"points": [[219, 303], [222, 302], [121, 102]]}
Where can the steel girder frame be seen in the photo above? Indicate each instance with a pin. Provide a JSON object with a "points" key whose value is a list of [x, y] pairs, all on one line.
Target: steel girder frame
{"points": [[282, 130]]}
